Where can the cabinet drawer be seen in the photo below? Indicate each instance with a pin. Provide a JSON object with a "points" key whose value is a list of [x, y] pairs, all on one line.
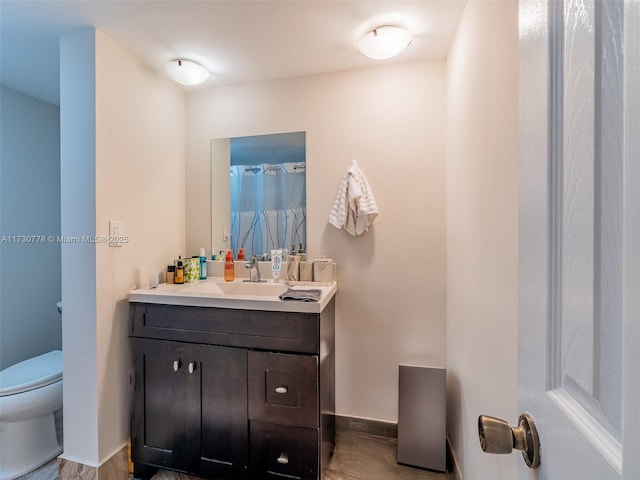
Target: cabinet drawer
{"points": [[279, 452], [283, 389], [282, 331]]}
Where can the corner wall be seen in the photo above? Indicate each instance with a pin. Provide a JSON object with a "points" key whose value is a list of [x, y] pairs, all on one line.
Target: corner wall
{"points": [[390, 305], [123, 150], [482, 232]]}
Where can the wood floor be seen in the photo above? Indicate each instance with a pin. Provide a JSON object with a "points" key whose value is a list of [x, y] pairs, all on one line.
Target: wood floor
{"points": [[49, 471], [357, 456], [360, 456]]}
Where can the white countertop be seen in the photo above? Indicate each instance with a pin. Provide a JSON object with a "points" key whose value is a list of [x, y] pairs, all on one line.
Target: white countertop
{"points": [[207, 293]]}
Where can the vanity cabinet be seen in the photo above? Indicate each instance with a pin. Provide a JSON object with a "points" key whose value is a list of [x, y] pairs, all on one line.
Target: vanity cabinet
{"points": [[232, 394]]}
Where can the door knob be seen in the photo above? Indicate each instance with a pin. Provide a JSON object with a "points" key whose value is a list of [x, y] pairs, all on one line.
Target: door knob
{"points": [[496, 436], [176, 365]]}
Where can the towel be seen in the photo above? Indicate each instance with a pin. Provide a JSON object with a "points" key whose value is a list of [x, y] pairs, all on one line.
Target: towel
{"points": [[354, 208], [311, 295]]}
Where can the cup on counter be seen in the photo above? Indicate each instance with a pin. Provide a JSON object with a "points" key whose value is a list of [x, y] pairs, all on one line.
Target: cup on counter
{"points": [[306, 271], [324, 270], [293, 267]]}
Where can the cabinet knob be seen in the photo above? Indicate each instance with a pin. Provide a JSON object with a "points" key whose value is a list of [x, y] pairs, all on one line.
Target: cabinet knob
{"points": [[283, 458], [176, 365], [192, 367], [282, 389]]}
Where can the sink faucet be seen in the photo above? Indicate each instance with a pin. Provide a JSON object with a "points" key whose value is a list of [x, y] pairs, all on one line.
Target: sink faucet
{"points": [[254, 271]]}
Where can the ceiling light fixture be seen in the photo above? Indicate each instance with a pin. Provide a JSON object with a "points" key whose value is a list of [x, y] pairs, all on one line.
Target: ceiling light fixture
{"points": [[187, 72], [384, 42]]}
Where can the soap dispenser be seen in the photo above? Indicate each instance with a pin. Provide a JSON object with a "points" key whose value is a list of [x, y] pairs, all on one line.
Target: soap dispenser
{"points": [[229, 268]]}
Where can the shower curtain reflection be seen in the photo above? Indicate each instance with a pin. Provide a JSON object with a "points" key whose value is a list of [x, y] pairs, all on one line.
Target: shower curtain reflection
{"points": [[268, 207]]}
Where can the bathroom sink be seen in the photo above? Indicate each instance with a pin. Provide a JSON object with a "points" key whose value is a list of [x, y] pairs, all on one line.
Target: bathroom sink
{"points": [[251, 288], [215, 292], [238, 287]]}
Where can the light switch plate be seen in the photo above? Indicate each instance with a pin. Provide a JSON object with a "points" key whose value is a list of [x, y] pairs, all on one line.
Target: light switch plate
{"points": [[115, 233]]}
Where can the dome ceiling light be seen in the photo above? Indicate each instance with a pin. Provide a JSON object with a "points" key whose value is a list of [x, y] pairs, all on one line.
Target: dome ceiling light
{"points": [[187, 72], [384, 42]]}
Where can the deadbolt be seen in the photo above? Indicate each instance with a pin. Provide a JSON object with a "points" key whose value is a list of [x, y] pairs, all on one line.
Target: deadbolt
{"points": [[496, 436]]}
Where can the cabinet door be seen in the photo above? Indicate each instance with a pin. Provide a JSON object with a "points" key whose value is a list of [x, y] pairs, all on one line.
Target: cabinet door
{"points": [[222, 413], [157, 419], [190, 408]]}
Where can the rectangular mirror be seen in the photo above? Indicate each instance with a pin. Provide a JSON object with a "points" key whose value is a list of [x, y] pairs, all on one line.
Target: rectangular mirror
{"points": [[258, 193]]}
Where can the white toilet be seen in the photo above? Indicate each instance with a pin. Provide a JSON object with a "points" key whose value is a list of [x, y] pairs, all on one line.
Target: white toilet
{"points": [[30, 407]]}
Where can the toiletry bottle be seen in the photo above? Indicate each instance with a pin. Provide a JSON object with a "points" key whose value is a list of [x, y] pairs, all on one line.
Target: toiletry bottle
{"points": [[229, 268], [179, 276], [302, 254], [195, 268], [203, 265], [171, 272], [241, 254], [276, 264]]}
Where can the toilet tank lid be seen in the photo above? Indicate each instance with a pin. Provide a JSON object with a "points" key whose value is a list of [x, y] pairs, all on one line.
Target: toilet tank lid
{"points": [[32, 373]]}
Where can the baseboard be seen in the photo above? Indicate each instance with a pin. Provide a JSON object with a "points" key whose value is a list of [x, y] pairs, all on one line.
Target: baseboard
{"points": [[367, 425], [452, 464], [115, 468]]}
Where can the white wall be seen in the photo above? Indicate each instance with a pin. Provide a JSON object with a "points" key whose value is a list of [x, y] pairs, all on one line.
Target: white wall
{"points": [[77, 203], [130, 168], [29, 205], [482, 231], [390, 305]]}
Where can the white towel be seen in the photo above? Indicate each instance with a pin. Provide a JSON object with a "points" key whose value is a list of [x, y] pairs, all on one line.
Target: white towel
{"points": [[354, 208]]}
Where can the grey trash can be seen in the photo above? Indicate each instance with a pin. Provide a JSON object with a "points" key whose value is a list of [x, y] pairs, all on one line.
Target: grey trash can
{"points": [[422, 424]]}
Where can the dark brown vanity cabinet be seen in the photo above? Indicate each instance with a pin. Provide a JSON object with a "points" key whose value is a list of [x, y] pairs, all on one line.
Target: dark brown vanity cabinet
{"points": [[232, 394]]}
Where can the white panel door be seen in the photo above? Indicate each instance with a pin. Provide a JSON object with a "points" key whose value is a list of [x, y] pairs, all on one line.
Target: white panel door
{"points": [[579, 287]]}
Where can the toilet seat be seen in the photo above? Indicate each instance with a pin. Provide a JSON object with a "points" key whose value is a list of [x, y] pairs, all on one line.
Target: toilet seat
{"points": [[30, 374]]}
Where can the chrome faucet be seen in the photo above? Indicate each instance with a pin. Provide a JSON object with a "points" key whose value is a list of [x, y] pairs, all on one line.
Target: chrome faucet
{"points": [[254, 271]]}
